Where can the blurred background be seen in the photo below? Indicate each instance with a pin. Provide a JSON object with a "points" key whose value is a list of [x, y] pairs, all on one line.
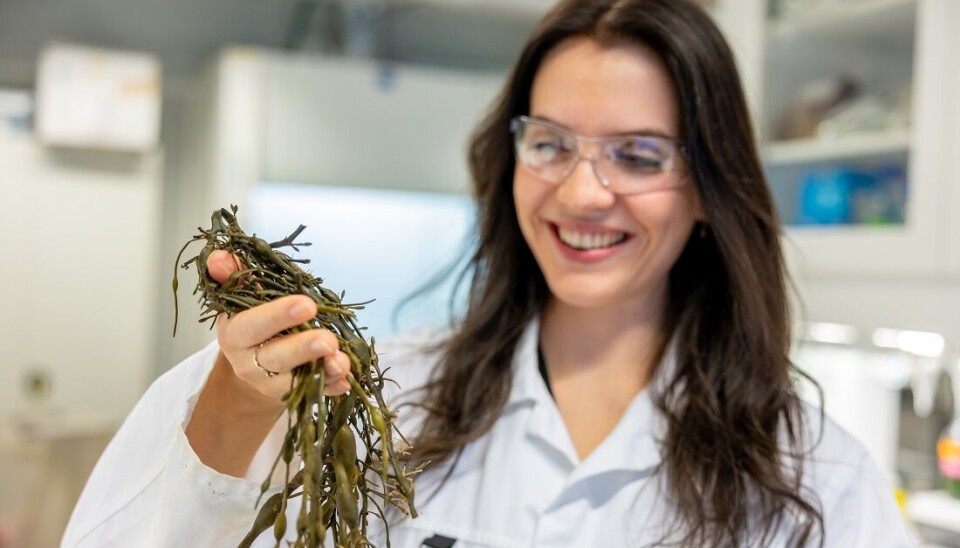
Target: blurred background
{"points": [[125, 123]]}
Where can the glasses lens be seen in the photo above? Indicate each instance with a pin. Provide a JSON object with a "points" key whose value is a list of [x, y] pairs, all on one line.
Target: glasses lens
{"points": [[627, 165], [544, 149], [638, 155], [630, 163]]}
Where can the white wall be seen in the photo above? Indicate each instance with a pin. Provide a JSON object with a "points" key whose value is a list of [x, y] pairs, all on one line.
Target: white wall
{"points": [[359, 123]]}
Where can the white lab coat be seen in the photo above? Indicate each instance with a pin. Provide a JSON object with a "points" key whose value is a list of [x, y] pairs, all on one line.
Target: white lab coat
{"points": [[521, 485]]}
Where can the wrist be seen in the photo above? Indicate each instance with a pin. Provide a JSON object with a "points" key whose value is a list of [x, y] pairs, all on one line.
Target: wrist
{"points": [[230, 421]]}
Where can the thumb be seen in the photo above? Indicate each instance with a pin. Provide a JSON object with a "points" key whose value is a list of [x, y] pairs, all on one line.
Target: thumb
{"points": [[221, 264]]}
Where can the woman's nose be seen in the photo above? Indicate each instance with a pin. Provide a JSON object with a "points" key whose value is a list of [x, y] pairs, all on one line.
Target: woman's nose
{"points": [[584, 188]]}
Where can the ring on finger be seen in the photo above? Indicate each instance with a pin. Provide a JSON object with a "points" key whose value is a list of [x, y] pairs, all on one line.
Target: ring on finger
{"points": [[256, 362]]}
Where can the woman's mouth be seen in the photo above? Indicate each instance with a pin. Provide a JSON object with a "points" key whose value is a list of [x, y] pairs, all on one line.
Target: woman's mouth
{"points": [[585, 241]]}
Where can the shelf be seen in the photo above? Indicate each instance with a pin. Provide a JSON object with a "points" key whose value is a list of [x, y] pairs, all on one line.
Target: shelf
{"points": [[861, 251], [820, 150], [861, 231]]}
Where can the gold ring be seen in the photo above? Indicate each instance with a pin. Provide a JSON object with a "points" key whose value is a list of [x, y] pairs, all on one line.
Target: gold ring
{"points": [[256, 362]]}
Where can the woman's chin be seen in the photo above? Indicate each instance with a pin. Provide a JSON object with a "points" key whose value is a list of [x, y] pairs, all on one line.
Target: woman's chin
{"points": [[587, 295]]}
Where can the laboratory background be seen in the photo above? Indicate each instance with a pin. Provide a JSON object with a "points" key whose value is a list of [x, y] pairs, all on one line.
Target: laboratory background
{"points": [[125, 123]]}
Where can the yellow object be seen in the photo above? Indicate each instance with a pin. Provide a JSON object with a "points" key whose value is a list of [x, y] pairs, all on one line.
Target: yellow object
{"points": [[900, 494]]}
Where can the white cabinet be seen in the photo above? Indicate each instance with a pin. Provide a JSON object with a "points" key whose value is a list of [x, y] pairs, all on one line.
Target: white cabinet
{"points": [[79, 231], [904, 47]]}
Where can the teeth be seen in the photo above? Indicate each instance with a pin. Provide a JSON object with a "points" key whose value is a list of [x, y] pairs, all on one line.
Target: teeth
{"points": [[580, 240]]}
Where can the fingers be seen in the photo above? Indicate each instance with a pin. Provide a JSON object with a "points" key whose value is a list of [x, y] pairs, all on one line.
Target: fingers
{"points": [[248, 339], [256, 325], [242, 335], [284, 354], [337, 367], [221, 264]]}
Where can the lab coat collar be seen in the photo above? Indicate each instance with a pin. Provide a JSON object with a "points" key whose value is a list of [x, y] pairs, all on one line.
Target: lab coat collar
{"points": [[635, 435], [527, 384]]}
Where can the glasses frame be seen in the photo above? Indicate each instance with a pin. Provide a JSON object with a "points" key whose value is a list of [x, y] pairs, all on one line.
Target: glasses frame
{"points": [[519, 123]]}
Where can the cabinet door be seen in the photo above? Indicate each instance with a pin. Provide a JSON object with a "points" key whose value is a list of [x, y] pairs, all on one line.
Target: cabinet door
{"points": [[82, 270], [893, 45]]}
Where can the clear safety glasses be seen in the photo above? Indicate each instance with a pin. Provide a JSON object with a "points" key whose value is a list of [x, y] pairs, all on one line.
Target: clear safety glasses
{"points": [[624, 164]]}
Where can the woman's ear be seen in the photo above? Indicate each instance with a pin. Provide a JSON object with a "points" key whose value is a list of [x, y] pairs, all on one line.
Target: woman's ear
{"points": [[701, 225]]}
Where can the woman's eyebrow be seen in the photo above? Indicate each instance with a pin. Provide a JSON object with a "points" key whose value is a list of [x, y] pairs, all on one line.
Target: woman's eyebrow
{"points": [[646, 132]]}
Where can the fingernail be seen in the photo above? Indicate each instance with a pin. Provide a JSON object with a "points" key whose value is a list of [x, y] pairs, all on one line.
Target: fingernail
{"points": [[319, 346], [300, 309]]}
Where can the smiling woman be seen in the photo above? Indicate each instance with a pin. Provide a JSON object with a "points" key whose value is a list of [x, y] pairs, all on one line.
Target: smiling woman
{"points": [[620, 376], [604, 233]]}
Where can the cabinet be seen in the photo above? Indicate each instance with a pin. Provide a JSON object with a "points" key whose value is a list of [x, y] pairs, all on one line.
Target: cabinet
{"points": [[79, 231], [900, 49]]}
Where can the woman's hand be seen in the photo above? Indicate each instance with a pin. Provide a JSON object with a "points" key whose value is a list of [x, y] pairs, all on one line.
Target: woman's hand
{"points": [[249, 338], [240, 403]]}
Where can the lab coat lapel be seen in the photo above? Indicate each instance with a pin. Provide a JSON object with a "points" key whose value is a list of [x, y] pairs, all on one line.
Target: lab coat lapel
{"points": [[544, 426], [631, 446]]}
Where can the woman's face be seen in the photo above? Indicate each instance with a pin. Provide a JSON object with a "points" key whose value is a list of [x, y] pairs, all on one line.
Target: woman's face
{"points": [[597, 248]]}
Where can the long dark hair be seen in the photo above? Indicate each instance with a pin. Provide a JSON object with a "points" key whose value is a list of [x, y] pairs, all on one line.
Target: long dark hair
{"points": [[733, 449]]}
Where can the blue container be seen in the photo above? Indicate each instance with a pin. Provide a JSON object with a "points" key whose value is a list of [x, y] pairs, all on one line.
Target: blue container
{"points": [[826, 196]]}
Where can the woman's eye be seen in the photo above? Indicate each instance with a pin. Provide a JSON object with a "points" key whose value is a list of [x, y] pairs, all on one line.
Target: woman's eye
{"points": [[637, 159], [548, 149]]}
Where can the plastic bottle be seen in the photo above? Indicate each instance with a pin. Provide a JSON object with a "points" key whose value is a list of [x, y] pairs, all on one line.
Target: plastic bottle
{"points": [[948, 457], [948, 447]]}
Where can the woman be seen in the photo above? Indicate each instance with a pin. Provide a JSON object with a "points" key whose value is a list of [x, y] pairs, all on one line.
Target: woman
{"points": [[621, 377]]}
